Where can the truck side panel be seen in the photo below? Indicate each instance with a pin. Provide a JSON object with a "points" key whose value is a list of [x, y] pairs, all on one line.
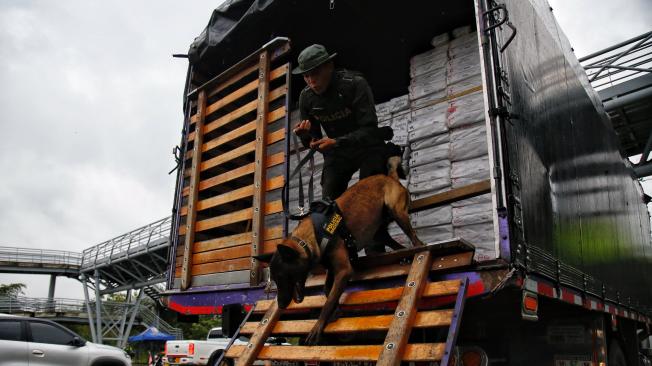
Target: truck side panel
{"points": [[578, 199]]}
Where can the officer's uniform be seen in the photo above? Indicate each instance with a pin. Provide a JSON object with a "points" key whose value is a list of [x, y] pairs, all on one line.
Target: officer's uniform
{"points": [[347, 113]]}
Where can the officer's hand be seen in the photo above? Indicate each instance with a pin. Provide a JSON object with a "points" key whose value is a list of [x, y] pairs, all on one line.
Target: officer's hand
{"points": [[303, 128], [323, 144]]}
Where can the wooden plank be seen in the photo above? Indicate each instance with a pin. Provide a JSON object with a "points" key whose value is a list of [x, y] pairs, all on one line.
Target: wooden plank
{"points": [[225, 177], [366, 297], [424, 319], [193, 195], [240, 151], [272, 242], [230, 218], [240, 111], [221, 266], [258, 220], [249, 354], [274, 183], [232, 97], [405, 313], [244, 90], [457, 194], [217, 267], [417, 352], [272, 117], [278, 46], [228, 156], [237, 77], [395, 270], [228, 137], [237, 239], [240, 251]]}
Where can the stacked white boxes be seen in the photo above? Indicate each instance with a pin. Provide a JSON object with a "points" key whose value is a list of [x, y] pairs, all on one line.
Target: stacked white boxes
{"points": [[448, 142]]}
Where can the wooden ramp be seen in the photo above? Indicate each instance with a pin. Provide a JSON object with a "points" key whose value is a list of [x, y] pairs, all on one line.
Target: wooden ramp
{"points": [[385, 325]]}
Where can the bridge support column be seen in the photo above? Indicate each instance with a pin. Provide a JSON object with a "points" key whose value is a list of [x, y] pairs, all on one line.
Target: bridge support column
{"points": [[53, 284]]}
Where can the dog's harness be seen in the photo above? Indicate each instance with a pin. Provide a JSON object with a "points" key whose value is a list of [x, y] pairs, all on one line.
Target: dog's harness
{"points": [[329, 225]]}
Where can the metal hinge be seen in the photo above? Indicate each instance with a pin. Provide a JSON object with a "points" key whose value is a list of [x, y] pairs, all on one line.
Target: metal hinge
{"points": [[498, 15]]}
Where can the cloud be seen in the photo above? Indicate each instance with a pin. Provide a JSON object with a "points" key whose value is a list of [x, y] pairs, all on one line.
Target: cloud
{"points": [[90, 108]]}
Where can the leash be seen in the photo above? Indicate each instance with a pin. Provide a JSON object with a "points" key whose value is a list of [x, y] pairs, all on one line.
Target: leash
{"points": [[297, 170]]}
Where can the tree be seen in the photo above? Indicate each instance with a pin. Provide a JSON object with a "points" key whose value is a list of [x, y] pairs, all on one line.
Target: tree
{"points": [[12, 289]]}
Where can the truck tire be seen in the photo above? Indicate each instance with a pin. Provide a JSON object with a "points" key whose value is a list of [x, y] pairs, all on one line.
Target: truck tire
{"points": [[212, 361], [615, 355]]}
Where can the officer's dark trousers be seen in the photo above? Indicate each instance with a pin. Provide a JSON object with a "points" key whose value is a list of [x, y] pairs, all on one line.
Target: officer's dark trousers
{"points": [[340, 166]]}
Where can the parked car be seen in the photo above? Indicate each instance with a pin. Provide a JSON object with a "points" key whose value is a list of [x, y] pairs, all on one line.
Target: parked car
{"points": [[191, 352], [198, 352], [39, 342]]}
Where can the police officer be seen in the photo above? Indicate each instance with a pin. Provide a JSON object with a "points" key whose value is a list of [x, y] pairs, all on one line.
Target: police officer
{"points": [[340, 102]]}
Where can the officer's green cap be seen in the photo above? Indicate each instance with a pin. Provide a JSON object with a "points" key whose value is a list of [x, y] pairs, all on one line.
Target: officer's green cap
{"points": [[311, 57]]}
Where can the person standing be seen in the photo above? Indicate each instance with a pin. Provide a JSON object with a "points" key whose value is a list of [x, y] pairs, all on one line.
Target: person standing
{"points": [[341, 102]]}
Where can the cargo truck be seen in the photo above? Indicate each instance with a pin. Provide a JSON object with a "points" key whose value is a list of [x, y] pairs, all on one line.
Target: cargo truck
{"points": [[534, 221]]}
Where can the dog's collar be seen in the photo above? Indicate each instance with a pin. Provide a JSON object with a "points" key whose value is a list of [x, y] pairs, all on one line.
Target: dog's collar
{"points": [[305, 247]]}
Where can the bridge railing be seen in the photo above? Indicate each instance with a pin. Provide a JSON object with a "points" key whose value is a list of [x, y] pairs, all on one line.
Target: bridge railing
{"points": [[112, 310], [21, 304], [619, 63], [143, 239], [40, 256]]}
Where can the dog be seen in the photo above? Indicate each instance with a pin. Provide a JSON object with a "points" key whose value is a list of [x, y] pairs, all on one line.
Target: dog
{"points": [[363, 207]]}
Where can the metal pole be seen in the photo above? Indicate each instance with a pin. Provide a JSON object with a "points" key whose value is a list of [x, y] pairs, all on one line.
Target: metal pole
{"points": [[124, 316], [98, 307], [53, 283], [88, 307], [131, 319]]}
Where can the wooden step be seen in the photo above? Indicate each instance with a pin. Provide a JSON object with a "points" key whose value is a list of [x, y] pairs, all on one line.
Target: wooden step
{"points": [[366, 297], [425, 319], [416, 352]]}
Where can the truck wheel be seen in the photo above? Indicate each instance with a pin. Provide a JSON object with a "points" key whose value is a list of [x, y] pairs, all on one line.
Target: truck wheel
{"points": [[616, 357], [216, 356]]}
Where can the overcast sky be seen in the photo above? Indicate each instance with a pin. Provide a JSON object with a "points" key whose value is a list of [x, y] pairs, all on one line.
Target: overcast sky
{"points": [[90, 108]]}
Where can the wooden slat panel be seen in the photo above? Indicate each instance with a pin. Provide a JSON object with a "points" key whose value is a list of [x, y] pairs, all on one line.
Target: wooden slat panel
{"points": [[193, 194], [366, 297], [229, 136], [237, 239], [471, 190], [233, 256], [230, 218], [270, 243], [241, 111], [418, 352], [273, 160], [225, 84], [215, 267], [271, 117], [228, 156], [231, 116], [248, 88], [424, 319], [222, 254], [406, 311], [275, 74], [274, 183], [240, 151]]}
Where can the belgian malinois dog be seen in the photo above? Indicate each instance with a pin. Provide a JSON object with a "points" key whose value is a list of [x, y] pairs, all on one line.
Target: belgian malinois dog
{"points": [[363, 206]]}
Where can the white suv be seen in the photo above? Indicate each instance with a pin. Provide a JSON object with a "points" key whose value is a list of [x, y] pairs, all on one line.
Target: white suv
{"points": [[38, 342]]}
